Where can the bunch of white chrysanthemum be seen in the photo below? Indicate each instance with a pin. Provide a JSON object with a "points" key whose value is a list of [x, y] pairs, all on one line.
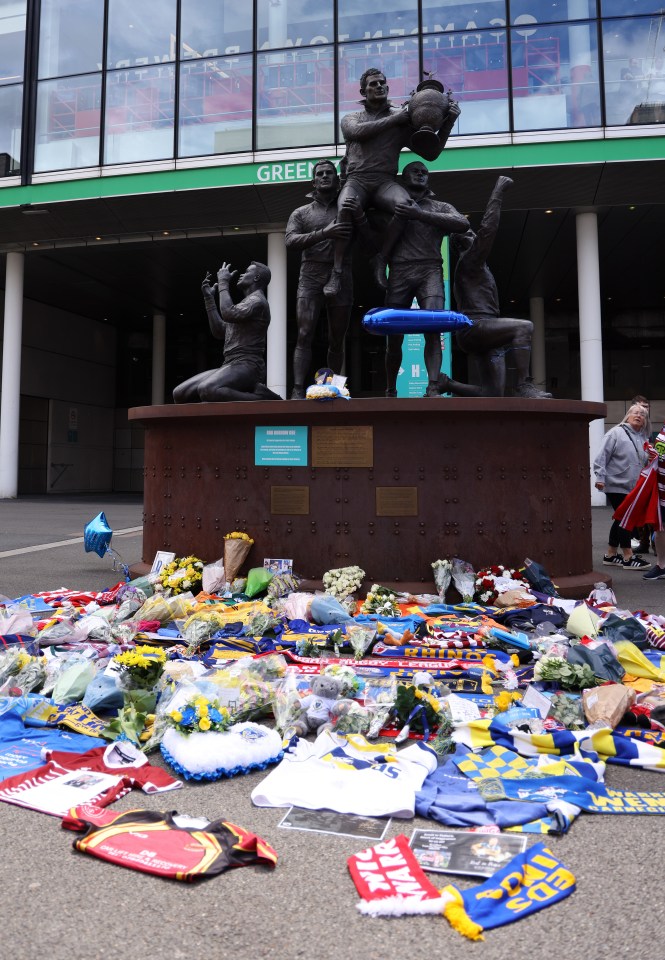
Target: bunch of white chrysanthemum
{"points": [[343, 581]]}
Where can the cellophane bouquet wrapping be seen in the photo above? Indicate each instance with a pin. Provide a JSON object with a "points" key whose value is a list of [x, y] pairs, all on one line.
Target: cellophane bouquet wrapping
{"points": [[443, 571], [237, 545], [286, 702], [360, 638], [213, 577], [464, 578]]}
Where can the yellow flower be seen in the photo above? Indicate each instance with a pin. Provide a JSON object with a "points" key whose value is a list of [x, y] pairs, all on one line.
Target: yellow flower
{"points": [[204, 723], [176, 715]]}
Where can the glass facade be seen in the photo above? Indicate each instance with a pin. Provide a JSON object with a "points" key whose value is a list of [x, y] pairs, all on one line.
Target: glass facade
{"points": [[124, 82], [12, 75]]}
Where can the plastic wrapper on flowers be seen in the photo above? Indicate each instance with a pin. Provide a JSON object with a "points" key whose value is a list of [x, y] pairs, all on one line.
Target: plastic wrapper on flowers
{"points": [[443, 571], [182, 575], [198, 628], [12, 662], [349, 716], [31, 676], [286, 703], [464, 579], [360, 637], [166, 609]]}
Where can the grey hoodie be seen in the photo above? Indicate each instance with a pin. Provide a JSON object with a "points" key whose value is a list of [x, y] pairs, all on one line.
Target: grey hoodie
{"points": [[620, 459]]}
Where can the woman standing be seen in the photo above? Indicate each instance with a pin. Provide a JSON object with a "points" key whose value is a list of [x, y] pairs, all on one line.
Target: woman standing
{"points": [[617, 467]]}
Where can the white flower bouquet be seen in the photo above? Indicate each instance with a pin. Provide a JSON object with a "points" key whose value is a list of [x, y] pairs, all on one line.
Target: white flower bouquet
{"points": [[341, 582]]}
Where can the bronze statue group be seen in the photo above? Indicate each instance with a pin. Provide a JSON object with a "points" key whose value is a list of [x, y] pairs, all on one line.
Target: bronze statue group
{"points": [[413, 227]]}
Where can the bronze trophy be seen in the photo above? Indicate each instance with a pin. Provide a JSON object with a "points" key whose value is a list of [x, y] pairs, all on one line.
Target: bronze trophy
{"points": [[428, 108]]}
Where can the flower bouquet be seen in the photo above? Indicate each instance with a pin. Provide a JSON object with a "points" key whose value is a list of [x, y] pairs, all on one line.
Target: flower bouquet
{"points": [[140, 668], [236, 548], [443, 570], [463, 577], [182, 575], [360, 637], [341, 582], [568, 676], [494, 580], [382, 601]]}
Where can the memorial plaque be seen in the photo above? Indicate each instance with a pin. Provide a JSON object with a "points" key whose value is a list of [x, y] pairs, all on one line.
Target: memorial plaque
{"points": [[342, 446], [397, 501], [294, 500]]}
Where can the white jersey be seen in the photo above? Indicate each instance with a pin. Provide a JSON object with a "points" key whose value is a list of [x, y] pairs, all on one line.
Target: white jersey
{"points": [[348, 775]]}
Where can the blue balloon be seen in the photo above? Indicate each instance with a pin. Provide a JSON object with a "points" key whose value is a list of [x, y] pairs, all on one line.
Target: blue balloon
{"points": [[97, 535], [386, 320]]}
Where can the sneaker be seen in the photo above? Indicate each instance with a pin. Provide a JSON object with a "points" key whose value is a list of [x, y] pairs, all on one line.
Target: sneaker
{"points": [[656, 573], [635, 563], [615, 561], [432, 390]]}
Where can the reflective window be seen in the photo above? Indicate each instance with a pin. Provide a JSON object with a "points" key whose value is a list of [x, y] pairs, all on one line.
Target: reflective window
{"points": [[524, 12], [215, 107], [295, 98], [12, 40], [212, 28], [68, 120], [11, 103], [141, 32], [634, 70], [139, 114], [398, 62], [390, 18], [475, 67], [555, 77], [628, 8], [448, 16], [70, 37], [296, 23]]}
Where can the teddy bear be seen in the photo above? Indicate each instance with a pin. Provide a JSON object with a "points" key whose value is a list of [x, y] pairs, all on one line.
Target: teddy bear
{"points": [[316, 706]]}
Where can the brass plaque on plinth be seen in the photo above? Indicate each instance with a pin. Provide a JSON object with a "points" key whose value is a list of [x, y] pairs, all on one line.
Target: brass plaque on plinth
{"points": [[342, 446], [397, 501], [293, 500]]}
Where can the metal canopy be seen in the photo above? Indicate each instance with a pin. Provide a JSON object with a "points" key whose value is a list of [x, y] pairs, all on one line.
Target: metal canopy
{"points": [[155, 248]]}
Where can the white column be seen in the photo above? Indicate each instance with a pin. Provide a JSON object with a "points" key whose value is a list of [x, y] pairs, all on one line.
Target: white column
{"points": [[158, 357], [591, 339], [537, 315], [10, 397], [276, 359]]}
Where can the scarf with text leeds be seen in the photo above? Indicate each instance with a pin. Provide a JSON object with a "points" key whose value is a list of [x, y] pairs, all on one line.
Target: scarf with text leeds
{"points": [[531, 881]]}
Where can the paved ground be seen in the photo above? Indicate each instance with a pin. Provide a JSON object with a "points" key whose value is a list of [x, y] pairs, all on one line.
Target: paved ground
{"points": [[64, 906]]}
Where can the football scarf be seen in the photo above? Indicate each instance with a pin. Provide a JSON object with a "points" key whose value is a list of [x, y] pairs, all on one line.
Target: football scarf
{"points": [[506, 764], [585, 794], [391, 882], [606, 744], [177, 848], [531, 881]]}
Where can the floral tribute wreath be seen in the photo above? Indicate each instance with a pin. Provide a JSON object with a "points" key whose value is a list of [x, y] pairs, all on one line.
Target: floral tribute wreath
{"points": [[486, 582]]}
